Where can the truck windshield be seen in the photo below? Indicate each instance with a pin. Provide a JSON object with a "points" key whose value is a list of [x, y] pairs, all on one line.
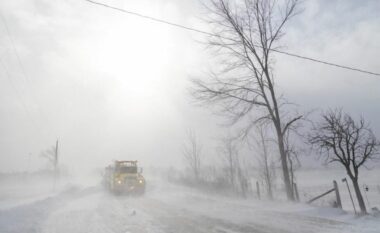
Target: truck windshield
{"points": [[127, 169]]}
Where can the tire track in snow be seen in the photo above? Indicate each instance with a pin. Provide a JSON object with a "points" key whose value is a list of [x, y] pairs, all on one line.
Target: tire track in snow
{"points": [[99, 212], [173, 220]]}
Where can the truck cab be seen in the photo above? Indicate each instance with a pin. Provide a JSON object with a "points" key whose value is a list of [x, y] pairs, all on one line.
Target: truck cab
{"points": [[125, 177]]}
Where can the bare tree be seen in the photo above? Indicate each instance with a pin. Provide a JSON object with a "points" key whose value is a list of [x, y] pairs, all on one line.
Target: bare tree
{"points": [[229, 153], [351, 143], [266, 168], [245, 35], [191, 151], [236, 173], [51, 155], [242, 177], [292, 155]]}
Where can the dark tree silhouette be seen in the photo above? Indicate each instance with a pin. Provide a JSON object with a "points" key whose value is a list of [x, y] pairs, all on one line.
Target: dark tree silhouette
{"points": [[51, 155], [351, 143], [266, 164], [246, 33], [191, 151]]}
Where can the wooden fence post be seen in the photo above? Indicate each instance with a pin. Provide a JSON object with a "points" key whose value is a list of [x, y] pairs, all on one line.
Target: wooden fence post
{"points": [[338, 201], [296, 192], [258, 189]]}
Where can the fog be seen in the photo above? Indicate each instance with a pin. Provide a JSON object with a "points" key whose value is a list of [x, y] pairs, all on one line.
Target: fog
{"points": [[106, 85], [114, 86]]}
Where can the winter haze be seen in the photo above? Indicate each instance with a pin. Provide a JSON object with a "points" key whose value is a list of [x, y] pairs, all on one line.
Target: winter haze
{"points": [[109, 85]]}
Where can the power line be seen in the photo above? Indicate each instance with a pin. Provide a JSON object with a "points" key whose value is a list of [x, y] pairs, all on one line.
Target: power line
{"points": [[22, 68], [326, 62], [211, 34], [14, 48], [16, 91], [24, 73]]}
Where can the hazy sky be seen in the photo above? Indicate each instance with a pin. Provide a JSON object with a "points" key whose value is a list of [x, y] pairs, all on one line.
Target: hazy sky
{"points": [[113, 86]]}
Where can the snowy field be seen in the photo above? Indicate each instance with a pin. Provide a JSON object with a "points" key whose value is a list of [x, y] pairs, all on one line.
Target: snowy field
{"points": [[74, 207], [312, 182]]}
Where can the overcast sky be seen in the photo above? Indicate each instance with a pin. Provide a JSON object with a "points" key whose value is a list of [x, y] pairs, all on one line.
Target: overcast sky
{"points": [[113, 86]]}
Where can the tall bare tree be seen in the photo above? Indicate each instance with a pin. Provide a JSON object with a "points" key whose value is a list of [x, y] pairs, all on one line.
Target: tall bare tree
{"points": [[245, 35], [292, 155], [229, 153], [191, 152], [266, 168], [351, 143]]}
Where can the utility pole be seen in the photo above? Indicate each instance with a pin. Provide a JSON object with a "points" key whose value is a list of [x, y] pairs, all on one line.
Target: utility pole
{"points": [[296, 194], [56, 155], [258, 190], [55, 164], [352, 200]]}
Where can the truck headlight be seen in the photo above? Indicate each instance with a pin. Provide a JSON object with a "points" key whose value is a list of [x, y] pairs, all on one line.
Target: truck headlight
{"points": [[141, 181], [118, 181]]}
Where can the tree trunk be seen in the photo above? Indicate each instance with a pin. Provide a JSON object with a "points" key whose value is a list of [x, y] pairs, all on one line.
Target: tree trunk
{"points": [[268, 181], [363, 209], [285, 170], [270, 193], [232, 175], [267, 174]]}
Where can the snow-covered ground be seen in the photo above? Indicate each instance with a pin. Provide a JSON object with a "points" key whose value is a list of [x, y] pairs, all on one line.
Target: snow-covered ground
{"points": [[312, 182], [164, 208]]}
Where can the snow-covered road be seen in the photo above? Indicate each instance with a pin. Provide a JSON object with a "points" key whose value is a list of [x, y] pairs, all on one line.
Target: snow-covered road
{"points": [[170, 208]]}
